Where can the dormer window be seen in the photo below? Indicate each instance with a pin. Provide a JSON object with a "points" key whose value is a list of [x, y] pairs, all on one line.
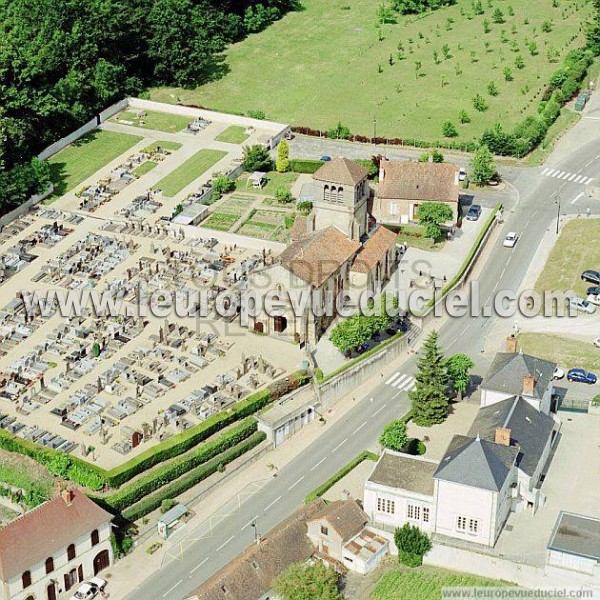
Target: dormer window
{"points": [[324, 530], [26, 579]]}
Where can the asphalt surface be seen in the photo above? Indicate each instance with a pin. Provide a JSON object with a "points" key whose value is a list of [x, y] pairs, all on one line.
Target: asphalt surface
{"points": [[531, 213]]}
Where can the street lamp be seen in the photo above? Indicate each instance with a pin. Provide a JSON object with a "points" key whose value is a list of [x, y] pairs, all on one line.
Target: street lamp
{"points": [[557, 212], [374, 126], [256, 534]]}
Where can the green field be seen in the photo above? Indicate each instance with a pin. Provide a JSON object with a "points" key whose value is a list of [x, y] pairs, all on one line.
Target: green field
{"points": [[576, 250], [87, 155], [331, 62], [425, 583], [145, 167], [191, 169], [233, 135], [566, 352], [157, 121], [163, 144]]}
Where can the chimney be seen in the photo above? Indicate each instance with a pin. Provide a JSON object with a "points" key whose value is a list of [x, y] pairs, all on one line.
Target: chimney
{"points": [[502, 436], [382, 169], [528, 385], [511, 344], [68, 496]]}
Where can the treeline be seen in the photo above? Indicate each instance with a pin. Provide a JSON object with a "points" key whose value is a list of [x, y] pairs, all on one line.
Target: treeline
{"points": [[414, 7], [62, 61]]}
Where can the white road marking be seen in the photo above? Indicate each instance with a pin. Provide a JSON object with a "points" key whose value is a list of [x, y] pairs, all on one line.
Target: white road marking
{"points": [[587, 181], [171, 589], [360, 427], [249, 522], [566, 175], [578, 178], [319, 463], [378, 410], [274, 501], [545, 171], [573, 176], [400, 381], [227, 542], [392, 378], [551, 172], [501, 276], [558, 174], [198, 566], [295, 484], [576, 197], [339, 445]]}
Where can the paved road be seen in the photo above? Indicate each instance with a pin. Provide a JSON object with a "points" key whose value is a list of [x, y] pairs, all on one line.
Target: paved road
{"points": [[531, 215]]}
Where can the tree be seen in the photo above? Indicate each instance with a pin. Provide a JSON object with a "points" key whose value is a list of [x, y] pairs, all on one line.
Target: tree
{"points": [[483, 167], [304, 581], [394, 436], [446, 52], [449, 129], [96, 350], [283, 195], [412, 545], [519, 62], [432, 216], [282, 164], [339, 132], [479, 103], [437, 157], [533, 48], [507, 72], [498, 16], [418, 66], [593, 29], [429, 401], [463, 116], [486, 26], [257, 158], [222, 184], [492, 89], [458, 367]]}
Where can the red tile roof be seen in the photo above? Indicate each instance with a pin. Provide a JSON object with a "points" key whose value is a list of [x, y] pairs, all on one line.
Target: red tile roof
{"points": [[341, 170], [345, 516], [374, 249], [45, 531]]}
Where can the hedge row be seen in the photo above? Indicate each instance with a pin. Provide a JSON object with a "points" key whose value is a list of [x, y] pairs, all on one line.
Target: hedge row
{"points": [[340, 475], [157, 478], [195, 476]]}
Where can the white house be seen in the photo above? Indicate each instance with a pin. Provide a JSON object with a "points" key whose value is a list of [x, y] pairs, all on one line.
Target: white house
{"points": [[49, 550]]}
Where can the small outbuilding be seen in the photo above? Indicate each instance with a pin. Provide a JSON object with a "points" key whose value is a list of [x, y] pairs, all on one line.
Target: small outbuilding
{"points": [[170, 520]]}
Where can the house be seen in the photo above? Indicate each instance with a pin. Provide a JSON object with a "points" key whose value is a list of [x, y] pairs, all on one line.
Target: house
{"points": [[517, 374], [52, 548], [405, 185], [575, 544]]}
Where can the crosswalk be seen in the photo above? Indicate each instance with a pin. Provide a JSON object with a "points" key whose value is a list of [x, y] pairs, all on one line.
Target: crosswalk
{"points": [[566, 176], [402, 382]]}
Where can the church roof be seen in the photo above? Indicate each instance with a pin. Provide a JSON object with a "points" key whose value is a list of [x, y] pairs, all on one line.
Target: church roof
{"points": [[342, 171], [374, 249]]}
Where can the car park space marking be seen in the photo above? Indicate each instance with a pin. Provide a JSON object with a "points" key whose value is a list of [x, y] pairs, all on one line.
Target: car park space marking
{"points": [[198, 566], [319, 463], [274, 501], [227, 542], [339, 445], [295, 484], [172, 588]]}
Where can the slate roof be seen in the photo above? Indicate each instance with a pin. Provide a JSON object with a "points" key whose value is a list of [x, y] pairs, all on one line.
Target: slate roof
{"points": [[508, 369], [374, 249], [342, 171], [476, 463], [46, 530], [576, 534], [409, 180], [345, 516], [405, 472], [249, 576], [530, 429], [315, 257]]}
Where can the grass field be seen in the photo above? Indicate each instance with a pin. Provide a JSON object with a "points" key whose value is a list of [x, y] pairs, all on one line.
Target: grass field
{"points": [[414, 236], [233, 135], [576, 250], [424, 583], [274, 181], [157, 121], [191, 169], [24, 473], [87, 155], [163, 144], [145, 167], [331, 61], [566, 352]]}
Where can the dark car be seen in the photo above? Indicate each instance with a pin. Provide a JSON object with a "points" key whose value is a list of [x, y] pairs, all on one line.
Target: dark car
{"points": [[593, 291], [474, 212], [325, 158], [581, 376], [591, 276]]}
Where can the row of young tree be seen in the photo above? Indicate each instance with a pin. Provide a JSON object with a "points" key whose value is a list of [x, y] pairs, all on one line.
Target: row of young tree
{"points": [[62, 61]]}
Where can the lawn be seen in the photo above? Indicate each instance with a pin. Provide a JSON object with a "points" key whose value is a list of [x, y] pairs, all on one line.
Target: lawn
{"points": [[190, 170], [233, 135], [576, 250], [220, 221], [274, 181], [566, 352], [162, 144], [330, 61], [81, 159], [236, 204], [145, 167], [425, 583], [157, 121], [414, 237]]}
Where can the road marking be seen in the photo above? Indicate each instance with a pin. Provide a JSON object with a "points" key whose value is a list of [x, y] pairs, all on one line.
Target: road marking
{"points": [[227, 542], [566, 175], [319, 463], [545, 171], [576, 197], [339, 445], [274, 501], [249, 522], [501, 276], [360, 427], [378, 410], [549, 173], [558, 174], [171, 589], [392, 378], [197, 567], [578, 178], [573, 176], [295, 484], [587, 181]]}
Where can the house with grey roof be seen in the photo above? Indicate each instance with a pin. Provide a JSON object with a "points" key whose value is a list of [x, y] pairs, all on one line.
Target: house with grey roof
{"points": [[517, 374]]}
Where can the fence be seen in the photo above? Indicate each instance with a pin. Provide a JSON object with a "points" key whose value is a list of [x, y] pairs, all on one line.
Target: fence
{"points": [[25, 207]]}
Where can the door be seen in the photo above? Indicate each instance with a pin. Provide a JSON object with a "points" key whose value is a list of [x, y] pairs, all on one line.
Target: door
{"points": [[80, 573], [101, 562], [51, 591]]}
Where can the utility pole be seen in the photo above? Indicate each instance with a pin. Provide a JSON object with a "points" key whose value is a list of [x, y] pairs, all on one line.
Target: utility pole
{"points": [[374, 126], [557, 212]]}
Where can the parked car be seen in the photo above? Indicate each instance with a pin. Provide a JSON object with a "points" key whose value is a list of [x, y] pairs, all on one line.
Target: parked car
{"points": [[582, 305], [474, 212], [325, 158], [462, 174], [597, 342], [581, 376], [594, 290], [510, 240], [591, 276], [558, 373], [594, 299], [89, 589]]}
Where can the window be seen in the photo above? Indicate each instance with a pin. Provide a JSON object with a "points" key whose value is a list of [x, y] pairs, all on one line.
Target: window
{"points": [[71, 552], [425, 514], [26, 579], [393, 208], [70, 579], [386, 506], [467, 525], [95, 537], [461, 523], [473, 525], [324, 530], [224, 590], [413, 512], [49, 565]]}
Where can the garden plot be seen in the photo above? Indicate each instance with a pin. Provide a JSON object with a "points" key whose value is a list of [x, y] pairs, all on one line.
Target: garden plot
{"points": [[267, 224]]}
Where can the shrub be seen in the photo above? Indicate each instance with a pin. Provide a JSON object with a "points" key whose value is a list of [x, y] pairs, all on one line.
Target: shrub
{"points": [[339, 132], [283, 195], [479, 103], [412, 545], [222, 184], [167, 505], [449, 129], [394, 436]]}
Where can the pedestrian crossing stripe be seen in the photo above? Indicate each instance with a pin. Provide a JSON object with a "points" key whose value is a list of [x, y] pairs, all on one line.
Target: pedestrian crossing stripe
{"points": [[402, 382], [566, 176]]}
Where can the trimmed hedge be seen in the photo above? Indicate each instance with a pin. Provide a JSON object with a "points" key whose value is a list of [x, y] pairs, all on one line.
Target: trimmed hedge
{"points": [[195, 476], [340, 475], [157, 478], [298, 165]]}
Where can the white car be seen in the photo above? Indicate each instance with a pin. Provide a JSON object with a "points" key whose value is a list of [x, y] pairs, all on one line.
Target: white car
{"points": [[582, 305], [597, 342], [558, 373], [89, 589], [510, 240], [462, 174], [594, 299]]}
